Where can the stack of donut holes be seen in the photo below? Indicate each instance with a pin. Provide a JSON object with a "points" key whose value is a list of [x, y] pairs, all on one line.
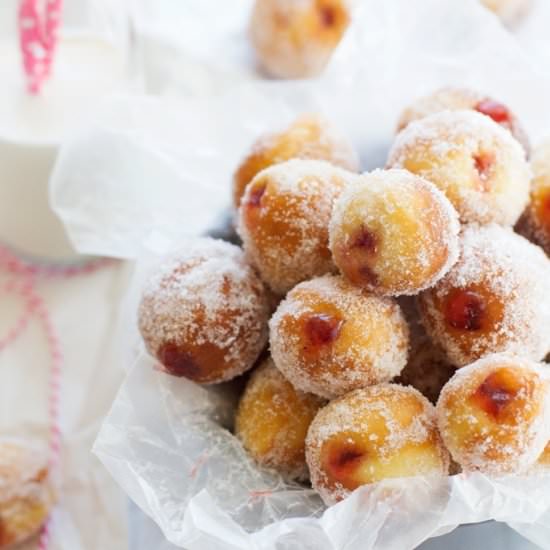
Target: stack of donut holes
{"points": [[395, 322]]}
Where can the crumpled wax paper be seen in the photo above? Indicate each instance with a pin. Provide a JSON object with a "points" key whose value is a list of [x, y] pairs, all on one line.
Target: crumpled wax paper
{"points": [[164, 165], [195, 46], [151, 170]]}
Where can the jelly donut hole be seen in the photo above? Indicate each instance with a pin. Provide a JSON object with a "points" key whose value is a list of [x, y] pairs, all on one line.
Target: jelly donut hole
{"points": [[273, 419], [204, 312], [310, 136], [493, 300], [458, 99], [284, 217], [494, 414], [393, 233], [372, 434], [479, 166], [296, 39], [328, 337]]}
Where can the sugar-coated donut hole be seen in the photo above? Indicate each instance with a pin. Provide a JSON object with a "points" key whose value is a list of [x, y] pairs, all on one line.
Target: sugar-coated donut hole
{"points": [[372, 434], [458, 99], [296, 39], [273, 419], [393, 233], [328, 337], [535, 221], [26, 495], [204, 312], [479, 166], [494, 415], [284, 217], [495, 299], [310, 136]]}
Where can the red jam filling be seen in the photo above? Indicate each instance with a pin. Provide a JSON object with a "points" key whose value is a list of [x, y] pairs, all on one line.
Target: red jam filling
{"points": [[178, 362], [497, 111], [323, 329], [465, 310], [496, 392]]}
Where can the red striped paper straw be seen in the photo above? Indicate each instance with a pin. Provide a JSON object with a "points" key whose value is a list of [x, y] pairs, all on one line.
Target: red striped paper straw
{"points": [[39, 22]]}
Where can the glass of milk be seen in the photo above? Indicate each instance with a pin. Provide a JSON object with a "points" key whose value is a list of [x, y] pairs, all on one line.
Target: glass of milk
{"points": [[91, 61]]}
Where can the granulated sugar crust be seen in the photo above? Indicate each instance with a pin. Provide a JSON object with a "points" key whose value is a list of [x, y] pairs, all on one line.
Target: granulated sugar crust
{"points": [[526, 439], [298, 248], [500, 196], [342, 370], [517, 274], [207, 293], [436, 237], [346, 414]]}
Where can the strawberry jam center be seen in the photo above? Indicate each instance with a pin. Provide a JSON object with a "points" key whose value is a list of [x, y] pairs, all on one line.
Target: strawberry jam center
{"points": [[496, 392], [344, 462], [495, 110], [366, 240], [465, 310], [255, 196], [483, 163], [327, 15], [323, 329], [178, 362]]}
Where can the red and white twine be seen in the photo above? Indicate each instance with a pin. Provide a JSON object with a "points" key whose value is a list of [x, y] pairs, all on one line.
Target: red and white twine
{"points": [[39, 22], [21, 281]]}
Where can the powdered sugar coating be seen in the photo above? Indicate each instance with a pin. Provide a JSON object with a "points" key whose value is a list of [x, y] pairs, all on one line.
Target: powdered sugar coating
{"points": [[392, 431], [410, 227], [310, 136], [513, 277], [284, 217], [295, 38], [25, 492], [479, 166], [457, 99], [535, 221], [367, 343], [272, 421], [499, 441], [205, 312]]}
